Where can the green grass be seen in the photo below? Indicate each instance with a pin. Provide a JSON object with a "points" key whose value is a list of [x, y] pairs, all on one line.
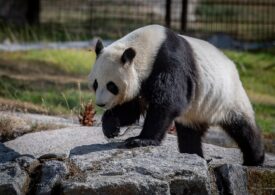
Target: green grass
{"points": [[28, 77], [70, 61], [57, 99], [257, 70]]}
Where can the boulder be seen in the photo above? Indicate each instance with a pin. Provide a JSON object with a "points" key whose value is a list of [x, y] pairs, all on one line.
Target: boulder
{"points": [[80, 160]]}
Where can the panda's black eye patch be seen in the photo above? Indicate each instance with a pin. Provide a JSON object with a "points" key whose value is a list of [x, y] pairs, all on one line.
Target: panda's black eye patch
{"points": [[95, 85], [111, 86]]}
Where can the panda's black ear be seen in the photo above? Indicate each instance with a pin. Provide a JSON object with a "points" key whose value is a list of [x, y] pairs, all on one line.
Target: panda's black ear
{"points": [[99, 46], [128, 55]]}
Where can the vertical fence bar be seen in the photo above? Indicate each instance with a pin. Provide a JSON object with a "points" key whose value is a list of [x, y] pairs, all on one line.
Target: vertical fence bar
{"points": [[168, 13], [183, 22]]}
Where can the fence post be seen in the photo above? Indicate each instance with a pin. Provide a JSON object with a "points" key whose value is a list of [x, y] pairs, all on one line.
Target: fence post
{"points": [[33, 12], [184, 15], [168, 13]]}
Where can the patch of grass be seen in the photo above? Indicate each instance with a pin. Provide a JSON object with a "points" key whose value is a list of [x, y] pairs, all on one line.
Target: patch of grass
{"points": [[55, 80], [70, 61], [265, 115], [20, 106], [55, 99], [256, 71]]}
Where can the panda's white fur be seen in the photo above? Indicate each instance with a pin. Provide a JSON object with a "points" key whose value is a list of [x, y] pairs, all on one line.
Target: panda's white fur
{"points": [[219, 87]]}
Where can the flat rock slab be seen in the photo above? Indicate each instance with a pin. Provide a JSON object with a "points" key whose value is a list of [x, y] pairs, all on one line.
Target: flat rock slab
{"points": [[80, 160], [88, 140], [60, 141]]}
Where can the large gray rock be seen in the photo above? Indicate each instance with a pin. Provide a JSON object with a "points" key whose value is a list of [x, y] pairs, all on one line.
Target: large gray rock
{"points": [[183, 173], [52, 172], [13, 180], [118, 184], [56, 141], [80, 160]]}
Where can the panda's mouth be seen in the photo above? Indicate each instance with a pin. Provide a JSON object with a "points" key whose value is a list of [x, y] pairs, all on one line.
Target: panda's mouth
{"points": [[108, 106]]}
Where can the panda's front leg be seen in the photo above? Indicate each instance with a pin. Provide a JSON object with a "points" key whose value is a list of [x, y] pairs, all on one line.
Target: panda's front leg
{"points": [[110, 124], [121, 115], [157, 121]]}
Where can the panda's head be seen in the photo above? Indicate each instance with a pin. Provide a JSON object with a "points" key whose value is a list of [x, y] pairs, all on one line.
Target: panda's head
{"points": [[113, 78]]}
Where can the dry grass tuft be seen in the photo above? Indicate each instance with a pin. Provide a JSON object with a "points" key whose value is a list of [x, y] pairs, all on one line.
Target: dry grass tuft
{"points": [[19, 106], [11, 127]]}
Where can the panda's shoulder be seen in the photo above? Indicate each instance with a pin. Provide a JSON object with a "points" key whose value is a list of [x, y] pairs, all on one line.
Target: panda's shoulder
{"points": [[146, 35]]}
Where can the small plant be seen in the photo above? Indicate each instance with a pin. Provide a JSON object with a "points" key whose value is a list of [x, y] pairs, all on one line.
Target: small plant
{"points": [[172, 129], [87, 114]]}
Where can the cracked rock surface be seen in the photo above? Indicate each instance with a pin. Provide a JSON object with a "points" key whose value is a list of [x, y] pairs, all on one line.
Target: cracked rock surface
{"points": [[79, 160]]}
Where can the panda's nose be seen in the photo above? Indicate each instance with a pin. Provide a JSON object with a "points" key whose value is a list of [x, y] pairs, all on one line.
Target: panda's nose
{"points": [[100, 105]]}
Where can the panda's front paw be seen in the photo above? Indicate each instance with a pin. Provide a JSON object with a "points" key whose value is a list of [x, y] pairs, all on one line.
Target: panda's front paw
{"points": [[110, 125], [133, 142]]}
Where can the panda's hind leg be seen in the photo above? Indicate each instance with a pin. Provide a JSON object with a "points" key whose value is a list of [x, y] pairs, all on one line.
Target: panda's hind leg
{"points": [[248, 137], [189, 138]]}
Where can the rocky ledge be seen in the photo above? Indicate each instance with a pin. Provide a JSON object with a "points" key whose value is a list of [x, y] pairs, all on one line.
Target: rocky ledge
{"points": [[79, 160]]}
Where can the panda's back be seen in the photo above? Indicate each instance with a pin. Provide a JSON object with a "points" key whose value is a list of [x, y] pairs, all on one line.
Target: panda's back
{"points": [[217, 74], [219, 88]]}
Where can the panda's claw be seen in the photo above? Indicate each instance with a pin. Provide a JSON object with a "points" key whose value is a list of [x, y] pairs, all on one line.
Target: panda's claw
{"points": [[134, 142]]}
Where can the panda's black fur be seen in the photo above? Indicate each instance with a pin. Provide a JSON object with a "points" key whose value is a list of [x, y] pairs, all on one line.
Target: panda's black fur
{"points": [[167, 91]]}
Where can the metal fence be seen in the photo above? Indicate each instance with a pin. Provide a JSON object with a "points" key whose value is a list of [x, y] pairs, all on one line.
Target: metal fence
{"points": [[248, 20], [252, 20]]}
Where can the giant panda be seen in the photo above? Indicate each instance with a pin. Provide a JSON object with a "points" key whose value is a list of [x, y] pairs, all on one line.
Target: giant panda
{"points": [[175, 78]]}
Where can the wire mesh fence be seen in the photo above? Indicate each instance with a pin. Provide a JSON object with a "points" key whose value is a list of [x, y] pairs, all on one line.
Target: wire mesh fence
{"points": [[248, 20], [244, 19]]}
